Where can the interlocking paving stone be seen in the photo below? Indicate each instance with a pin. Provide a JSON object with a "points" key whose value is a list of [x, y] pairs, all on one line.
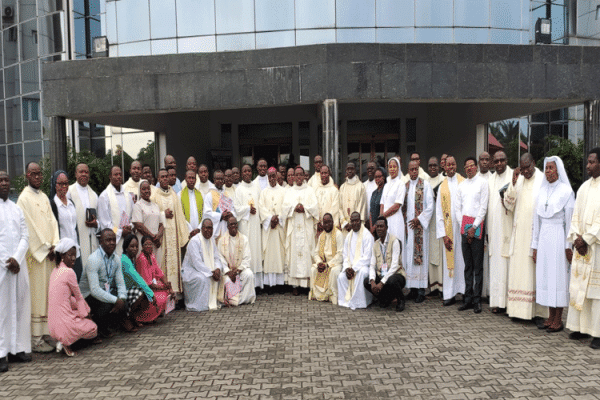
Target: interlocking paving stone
{"points": [[285, 347]]}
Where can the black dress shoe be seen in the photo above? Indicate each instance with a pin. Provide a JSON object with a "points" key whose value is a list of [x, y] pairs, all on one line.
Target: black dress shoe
{"points": [[595, 343], [449, 302], [578, 335], [400, 305], [411, 295], [539, 322], [3, 364], [420, 298], [477, 308], [465, 306], [19, 357]]}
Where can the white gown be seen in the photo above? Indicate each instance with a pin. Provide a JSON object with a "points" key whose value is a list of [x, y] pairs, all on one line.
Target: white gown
{"points": [[361, 297], [200, 290], [394, 192], [417, 275]]}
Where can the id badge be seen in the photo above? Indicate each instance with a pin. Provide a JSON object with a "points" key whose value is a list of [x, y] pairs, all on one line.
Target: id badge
{"points": [[107, 287], [384, 269]]}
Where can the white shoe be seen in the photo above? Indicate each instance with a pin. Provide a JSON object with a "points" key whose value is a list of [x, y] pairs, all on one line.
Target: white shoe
{"points": [[59, 347], [42, 347]]}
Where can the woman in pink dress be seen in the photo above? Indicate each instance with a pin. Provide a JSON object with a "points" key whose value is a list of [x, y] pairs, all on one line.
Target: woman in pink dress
{"points": [[67, 310], [147, 266]]}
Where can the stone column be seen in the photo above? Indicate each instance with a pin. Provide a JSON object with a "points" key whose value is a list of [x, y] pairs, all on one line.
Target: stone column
{"points": [[58, 144], [331, 147]]}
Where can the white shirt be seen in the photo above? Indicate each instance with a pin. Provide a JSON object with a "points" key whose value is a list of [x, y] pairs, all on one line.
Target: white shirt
{"points": [[370, 187], [194, 223], [83, 195], [67, 220], [104, 215], [262, 181], [472, 199]]}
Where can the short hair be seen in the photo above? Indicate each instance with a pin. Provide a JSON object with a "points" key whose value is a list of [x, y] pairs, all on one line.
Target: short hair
{"points": [[262, 159], [326, 214], [527, 157], [204, 220], [147, 165], [127, 242], [325, 166], [29, 164], [298, 167], [106, 230], [163, 169], [470, 158], [355, 212], [382, 218], [413, 153], [218, 171], [113, 167], [596, 151], [145, 238], [170, 168]]}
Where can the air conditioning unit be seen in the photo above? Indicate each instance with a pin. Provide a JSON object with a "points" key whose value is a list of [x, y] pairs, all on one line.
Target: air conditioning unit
{"points": [[8, 12]]}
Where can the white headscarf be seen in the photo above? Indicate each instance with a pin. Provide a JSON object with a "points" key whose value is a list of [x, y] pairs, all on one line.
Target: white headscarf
{"points": [[140, 186], [399, 169], [64, 245], [554, 197]]}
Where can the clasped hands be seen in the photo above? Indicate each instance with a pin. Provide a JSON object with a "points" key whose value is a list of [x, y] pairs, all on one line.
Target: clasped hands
{"points": [[376, 287]]}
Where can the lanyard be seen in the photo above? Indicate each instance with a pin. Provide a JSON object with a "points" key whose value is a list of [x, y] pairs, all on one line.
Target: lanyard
{"points": [[107, 266]]}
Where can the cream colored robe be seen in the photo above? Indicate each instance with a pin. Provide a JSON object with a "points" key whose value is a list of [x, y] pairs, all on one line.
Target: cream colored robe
{"points": [[175, 237], [43, 234], [333, 259], [203, 188], [328, 197], [315, 181], [230, 249], [133, 188], [521, 200], [436, 246], [352, 198], [249, 225], [88, 242], [270, 203]]}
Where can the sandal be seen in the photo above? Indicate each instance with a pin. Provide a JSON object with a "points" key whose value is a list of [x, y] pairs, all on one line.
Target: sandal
{"points": [[552, 329], [68, 351]]}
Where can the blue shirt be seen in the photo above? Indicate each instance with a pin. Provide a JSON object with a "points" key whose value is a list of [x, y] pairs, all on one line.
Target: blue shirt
{"points": [[176, 187], [100, 270]]}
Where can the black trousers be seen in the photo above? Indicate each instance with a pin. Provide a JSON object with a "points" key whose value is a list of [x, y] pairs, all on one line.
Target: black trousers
{"points": [[391, 290], [78, 268], [102, 316], [473, 256]]}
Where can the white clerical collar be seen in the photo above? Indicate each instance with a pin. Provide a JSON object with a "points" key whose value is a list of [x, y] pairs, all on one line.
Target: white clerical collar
{"points": [[115, 189], [262, 178], [451, 178], [352, 181], [4, 201], [413, 182], [246, 183], [190, 190], [81, 187]]}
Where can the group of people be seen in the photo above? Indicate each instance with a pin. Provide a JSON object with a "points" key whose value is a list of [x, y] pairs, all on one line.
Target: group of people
{"points": [[79, 265]]}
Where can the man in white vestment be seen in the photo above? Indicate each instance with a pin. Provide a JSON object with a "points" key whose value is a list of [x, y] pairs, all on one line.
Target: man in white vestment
{"points": [[584, 305], [262, 180], [15, 300], [327, 262], [228, 178], [414, 156], [171, 163], [192, 203], [270, 207], [115, 208], [218, 205], [436, 246], [520, 198], [328, 197], [203, 185], [315, 180], [192, 165], [84, 198], [358, 248], [246, 211], [499, 231], [484, 165], [43, 236], [132, 186], [417, 209], [201, 270], [237, 280], [448, 229], [484, 172], [471, 207], [235, 176], [301, 210], [352, 198], [176, 231], [370, 186]]}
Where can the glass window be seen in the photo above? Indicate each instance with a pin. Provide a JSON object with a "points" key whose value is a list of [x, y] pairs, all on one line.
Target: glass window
{"points": [[203, 44], [355, 13], [111, 22], [433, 12], [26, 10], [133, 20], [315, 36], [48, 6], [1, 86], [30, 77], [168, 46], [315, 14], [79, 33], [2, 130], [471, 35], [235, 16], [274, 15], [195, 17], [51, 34], [134, 49], [394, 13], [15, 160], [3, 158], [269, 40], [505, 36], [33, 152], [235, 42], [505, 14], [365, 35], [162, 19], [95, 8], [10, 41], [472, 13], [13, 120], [9, 21], [558, 18], [11, 81], [433, 35], [411, 130], [395, 35], [31, 117], [29, 40]]}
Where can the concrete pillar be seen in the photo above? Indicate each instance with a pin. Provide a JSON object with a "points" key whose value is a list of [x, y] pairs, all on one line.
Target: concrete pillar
{"points": [[58, 144], [480, 139], [591, 133], [331, 147], [162, 150]]}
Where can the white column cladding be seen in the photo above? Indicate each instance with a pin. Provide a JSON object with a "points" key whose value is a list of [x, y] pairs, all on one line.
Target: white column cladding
{"points": [[481, 139], [162, 149], [331, 147]]}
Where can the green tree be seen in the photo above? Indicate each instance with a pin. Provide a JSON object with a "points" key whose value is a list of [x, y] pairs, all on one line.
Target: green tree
{"points": [[146, 154], [572, 156]]}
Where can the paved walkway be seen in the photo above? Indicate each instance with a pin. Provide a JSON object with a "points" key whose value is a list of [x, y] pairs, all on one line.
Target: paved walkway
{"points": [[286, 347]]}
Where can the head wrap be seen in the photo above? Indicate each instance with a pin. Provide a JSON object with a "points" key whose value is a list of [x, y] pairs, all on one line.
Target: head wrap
{"points": [[556, 196], [53, 182], [399, 167], [64, 245], [142, 181], [272, 169]]}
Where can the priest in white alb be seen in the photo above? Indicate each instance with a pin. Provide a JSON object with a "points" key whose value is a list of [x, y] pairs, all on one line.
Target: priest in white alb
{"points": [[484, 172], [357, 252], [115, 208], [436, 246], [201, 271], [15, 300], [219, 204], [328, 197], [262, 180], [327, 263], [203, 184], [315, 180], [352, 198], [192, 203], [132, 186]]}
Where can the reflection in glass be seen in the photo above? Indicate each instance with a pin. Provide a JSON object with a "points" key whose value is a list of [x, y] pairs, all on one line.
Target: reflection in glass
{"points": [[235, 42], [315, 36], [559, 23], [133, 20], [30, 77], [2, 130], [167, 46], [394, 13], [355, 13], [365, 35], [272, 15], [134, 49], [15, 160], [9, 21], [505, 14], [203, 44], [50, 34], [395, 35], [11, 81], [3, 158], [162, 19], [29, 40], [111, 22], [10, 41], [31, 117], [433, 13], [269, 40], [235, 16], [315, 14], [505, 36], [33, 151], [79, 33], [433, 35], [48, 6], [1, 86], [472, 13], [26, 9], [471, 35], [13, 120], [195, 17]]}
